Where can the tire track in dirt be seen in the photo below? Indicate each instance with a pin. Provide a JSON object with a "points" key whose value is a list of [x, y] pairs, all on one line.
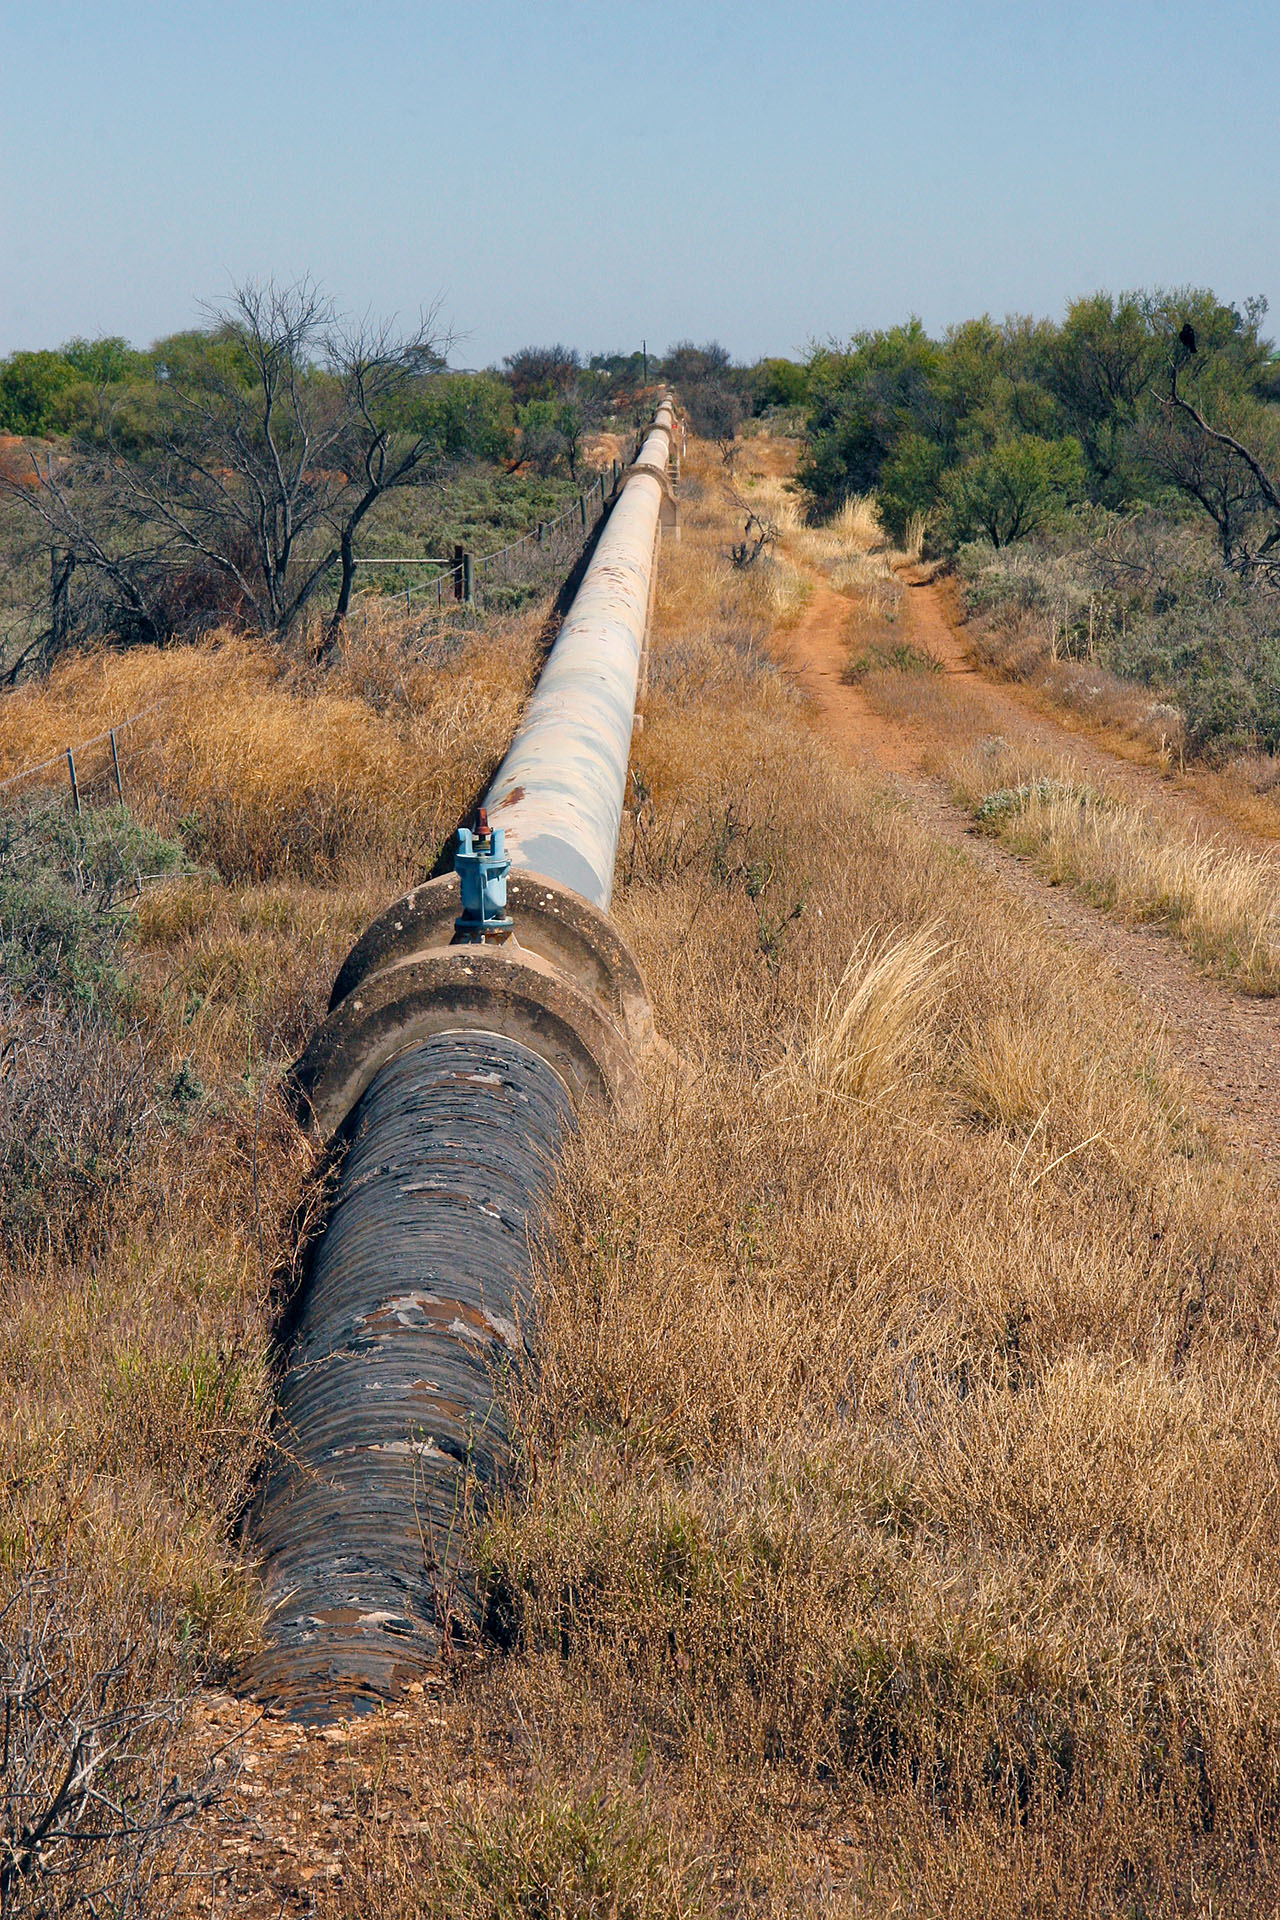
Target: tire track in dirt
{"points": [[1228, 1043]]}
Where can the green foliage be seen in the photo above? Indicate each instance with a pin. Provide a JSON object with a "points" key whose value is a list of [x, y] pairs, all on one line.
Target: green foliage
{"points": [[959, 429], [47, 392], [64, 899], [862, 399], [896, 656], [467, 415], [1210, 643], [76, 1100], [1011, 490], [778, 383], [39, 393], [106, 362], [995, 809], [910, 480]]}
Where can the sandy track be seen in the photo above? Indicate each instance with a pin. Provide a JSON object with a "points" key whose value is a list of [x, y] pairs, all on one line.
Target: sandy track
{"points": [[1227, 1042]]}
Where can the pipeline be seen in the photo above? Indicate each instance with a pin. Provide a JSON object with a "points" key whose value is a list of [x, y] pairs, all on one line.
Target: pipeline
{"points": [[465, 1028]]}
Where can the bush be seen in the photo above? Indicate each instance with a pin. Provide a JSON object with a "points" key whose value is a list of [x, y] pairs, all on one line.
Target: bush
{"points": [[76, 1098], [1012, 490], [62, 900], [1211, 643], [40, 393], [778, 383], [909, 483]]}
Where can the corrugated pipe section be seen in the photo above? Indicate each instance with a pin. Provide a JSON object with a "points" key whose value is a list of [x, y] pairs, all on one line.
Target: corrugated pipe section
{"points": [[445, 1074]]}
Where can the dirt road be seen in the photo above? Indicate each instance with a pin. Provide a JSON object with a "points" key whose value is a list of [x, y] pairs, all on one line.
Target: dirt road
{"points": [[1226, 1041]]}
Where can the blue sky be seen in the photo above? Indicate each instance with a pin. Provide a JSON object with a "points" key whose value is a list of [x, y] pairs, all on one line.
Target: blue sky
{"points": [[599, 173]]}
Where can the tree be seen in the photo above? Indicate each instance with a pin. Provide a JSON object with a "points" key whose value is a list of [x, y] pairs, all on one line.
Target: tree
{"points": [[909, 483], [37, 392], [273, 435], [542, 373], [1098, 366], [1010, 491], [1231, 468], [862, 398]]}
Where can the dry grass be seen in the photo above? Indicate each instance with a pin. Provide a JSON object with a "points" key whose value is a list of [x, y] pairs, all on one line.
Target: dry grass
{"points": [[288, 769], [872, 1021], [1221, 902], [898, 1467], [136, 1352], [851, 548], [1127, 718], [896, 1526], [1218, 899]]}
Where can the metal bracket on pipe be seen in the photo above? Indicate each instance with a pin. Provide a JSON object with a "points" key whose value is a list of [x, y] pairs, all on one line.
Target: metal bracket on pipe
{"points": [[482, 877]]}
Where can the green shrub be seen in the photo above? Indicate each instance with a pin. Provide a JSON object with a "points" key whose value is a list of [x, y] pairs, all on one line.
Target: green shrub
{"points": [[995, 808], [65, 887], [40, 393], [1211, 644], [778, 383], [890, 656], [1012, 490], [909, 483]]}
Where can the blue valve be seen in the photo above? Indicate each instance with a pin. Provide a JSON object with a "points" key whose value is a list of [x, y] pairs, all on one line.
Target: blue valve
{"points": [[482, 870]]}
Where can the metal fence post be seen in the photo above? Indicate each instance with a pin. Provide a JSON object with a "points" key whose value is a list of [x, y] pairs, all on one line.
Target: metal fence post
{"points": [[75, 784], [115, 762]]}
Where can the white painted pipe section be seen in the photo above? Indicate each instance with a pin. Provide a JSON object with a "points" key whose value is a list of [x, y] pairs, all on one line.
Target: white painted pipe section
{"points": [[558, 794]]}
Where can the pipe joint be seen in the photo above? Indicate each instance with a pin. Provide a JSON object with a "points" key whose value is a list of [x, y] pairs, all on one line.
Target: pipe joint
{"points": [[482, 869]]}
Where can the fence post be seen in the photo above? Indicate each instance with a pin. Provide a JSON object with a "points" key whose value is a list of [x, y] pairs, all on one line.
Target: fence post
{"points": [[115, 762], [468, 579], [458, 557], [75, 784], [582, 509]]}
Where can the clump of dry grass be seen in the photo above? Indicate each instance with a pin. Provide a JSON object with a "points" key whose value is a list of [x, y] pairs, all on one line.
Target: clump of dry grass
{"points": [[876, 1016], [1222, 902]]}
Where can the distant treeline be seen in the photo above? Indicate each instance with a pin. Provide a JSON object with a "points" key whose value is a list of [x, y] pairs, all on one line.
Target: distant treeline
{"points": [[536, 406]]}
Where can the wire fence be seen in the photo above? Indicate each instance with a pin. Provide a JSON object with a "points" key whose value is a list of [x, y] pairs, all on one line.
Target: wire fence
{"points": [[102, 770], [510, 574]]}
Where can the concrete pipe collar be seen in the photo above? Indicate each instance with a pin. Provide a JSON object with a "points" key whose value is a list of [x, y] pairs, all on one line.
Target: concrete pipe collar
{"points": [[501, 990], [577, 939]]}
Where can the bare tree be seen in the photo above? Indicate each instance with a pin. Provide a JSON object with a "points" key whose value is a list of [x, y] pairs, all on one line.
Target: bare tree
{"points": [[1225, 476], [271, 443], [758, 533]]}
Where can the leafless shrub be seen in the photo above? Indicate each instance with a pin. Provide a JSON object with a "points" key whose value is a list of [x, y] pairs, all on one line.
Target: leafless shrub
{"points": [[94, 1802]]}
